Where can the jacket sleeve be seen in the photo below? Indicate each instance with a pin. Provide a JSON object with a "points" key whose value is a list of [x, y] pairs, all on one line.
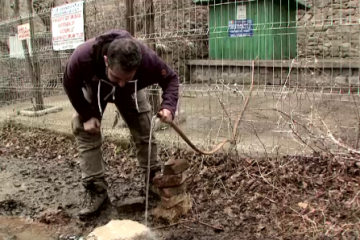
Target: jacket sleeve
{"points": [[169, 83], [73, 84]]}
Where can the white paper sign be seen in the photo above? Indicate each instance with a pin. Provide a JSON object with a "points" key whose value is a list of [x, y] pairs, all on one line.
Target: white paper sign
{"points": [[24, 31], [67, 24], [241, 12]]}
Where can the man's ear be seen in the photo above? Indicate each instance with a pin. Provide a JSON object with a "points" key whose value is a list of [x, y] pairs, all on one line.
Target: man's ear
{"points": [[106, 61]]}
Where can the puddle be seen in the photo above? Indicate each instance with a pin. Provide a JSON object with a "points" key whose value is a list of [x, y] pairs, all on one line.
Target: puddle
{"points": [[12, 228]]}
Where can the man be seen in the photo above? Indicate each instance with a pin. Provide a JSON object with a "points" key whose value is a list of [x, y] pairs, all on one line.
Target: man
{"points": [[115, 68]]}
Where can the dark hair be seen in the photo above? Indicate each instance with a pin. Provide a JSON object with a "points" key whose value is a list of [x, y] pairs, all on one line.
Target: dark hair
{"points": [[125, 53]]}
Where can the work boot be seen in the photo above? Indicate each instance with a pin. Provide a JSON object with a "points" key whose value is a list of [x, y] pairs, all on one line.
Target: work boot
{"points": [[95, 196]]}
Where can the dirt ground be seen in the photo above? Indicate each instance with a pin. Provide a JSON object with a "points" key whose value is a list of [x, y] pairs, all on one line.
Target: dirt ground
{"points": [[233, 197]]}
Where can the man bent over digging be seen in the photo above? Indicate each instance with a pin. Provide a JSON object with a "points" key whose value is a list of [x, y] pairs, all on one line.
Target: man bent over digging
{"points": [[115, 68]]}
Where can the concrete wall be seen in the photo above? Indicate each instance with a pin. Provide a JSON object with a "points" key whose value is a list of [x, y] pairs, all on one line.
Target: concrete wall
{"points": [[321, 75]]}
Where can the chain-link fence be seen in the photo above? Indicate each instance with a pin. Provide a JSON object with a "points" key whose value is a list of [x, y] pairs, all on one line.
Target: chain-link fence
{"points": [[297, 62]]}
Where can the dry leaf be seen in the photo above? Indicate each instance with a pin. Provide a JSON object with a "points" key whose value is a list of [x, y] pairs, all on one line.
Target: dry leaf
{"points": [[303, 205]]}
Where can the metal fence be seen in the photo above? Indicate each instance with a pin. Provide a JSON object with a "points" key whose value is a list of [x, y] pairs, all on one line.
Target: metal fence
{"points": [[296, 61]]}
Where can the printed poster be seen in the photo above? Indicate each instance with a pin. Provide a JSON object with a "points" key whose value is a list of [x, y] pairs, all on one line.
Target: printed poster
{"points": [[241, 28], [24, 31], [67, 24]]}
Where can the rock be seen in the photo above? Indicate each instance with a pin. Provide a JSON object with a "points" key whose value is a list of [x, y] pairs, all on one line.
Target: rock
{"points": [[346, 45], [17, 185], [353, 4], [175, 166], [53, 216], [307, 17], [121, 230], [8, 237], [353, 80], [340, 80], [174, 213], [172, 191], [131, 205], [172, 201], [162, 181]]}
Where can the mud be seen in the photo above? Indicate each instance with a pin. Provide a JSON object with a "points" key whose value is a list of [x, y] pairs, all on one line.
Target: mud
{"points": [[233, 197]]}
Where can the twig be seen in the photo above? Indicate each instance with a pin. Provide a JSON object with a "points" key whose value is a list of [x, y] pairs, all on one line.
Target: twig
{"points": [[225, 111], [305, 218], [257, 136], [355, 197], [172, 225], [331, 136], [216, 228], [301, 124], [263, 176], [297, 135], [224, 188], [235, 133]]}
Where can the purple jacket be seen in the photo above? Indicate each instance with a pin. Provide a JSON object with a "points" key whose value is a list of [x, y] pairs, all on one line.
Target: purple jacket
{"points": [[86, 67]]}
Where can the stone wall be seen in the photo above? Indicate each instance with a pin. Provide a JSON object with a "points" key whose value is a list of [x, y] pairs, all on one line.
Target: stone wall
{"points": [[329, 29]]}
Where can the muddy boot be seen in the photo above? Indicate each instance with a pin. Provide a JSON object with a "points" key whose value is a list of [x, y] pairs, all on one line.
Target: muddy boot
{"points": [[95, 197]]}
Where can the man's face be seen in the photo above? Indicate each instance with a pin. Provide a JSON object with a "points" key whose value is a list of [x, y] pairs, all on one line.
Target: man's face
{"points": [[117, 76]]}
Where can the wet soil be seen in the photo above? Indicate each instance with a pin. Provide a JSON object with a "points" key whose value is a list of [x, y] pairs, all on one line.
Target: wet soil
{"points": [[234, 197]]}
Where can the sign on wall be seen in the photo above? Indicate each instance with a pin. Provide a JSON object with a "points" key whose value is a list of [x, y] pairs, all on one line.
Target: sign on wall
{"points": [[24, 31], [241, 12], [67, 24], [241, 28]]}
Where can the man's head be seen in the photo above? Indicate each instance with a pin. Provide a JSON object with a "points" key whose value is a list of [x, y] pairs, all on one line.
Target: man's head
{"points": [[122, 60]]}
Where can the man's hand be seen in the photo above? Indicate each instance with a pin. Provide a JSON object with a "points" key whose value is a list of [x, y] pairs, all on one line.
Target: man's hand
{"points": [[165, 116], [92, 125]]}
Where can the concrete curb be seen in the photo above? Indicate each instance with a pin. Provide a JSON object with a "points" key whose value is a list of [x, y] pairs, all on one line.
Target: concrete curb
{"points": [[30, 113]]}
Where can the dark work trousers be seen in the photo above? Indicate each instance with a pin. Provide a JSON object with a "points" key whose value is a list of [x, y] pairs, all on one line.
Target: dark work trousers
{"points": [[89, 144]]}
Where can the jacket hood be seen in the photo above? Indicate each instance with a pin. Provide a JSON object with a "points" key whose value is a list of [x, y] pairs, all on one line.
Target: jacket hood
{"points": [[100, 47]]}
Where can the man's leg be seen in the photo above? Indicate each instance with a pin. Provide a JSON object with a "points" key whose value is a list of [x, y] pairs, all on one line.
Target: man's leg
{"points": [[91, 165], [139, 123]]}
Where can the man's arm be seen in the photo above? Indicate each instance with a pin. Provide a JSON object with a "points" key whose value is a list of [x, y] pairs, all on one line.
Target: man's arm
{"points": [[72, 83], [169, 82]]}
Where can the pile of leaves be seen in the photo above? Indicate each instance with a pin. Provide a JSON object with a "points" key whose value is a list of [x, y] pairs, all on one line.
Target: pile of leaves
{"points": [[284, 197]]}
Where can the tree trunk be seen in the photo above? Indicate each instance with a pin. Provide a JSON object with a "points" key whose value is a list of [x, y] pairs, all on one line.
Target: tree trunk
{"points": [[35, 68], [154, 96], [33, 64]]}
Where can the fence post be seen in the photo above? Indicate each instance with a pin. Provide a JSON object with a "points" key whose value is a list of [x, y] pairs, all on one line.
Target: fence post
{"points": [[130, 17], [154, 96]]}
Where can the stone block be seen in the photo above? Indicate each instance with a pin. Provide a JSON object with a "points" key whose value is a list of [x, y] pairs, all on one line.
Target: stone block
{"points": [[162, 181], [173, 214], [121, 230], [175, 166], [172, 201], [172, 191]]}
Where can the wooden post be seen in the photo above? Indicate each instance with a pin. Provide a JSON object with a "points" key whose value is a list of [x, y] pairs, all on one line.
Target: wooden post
{"points": [[130, 26]]}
